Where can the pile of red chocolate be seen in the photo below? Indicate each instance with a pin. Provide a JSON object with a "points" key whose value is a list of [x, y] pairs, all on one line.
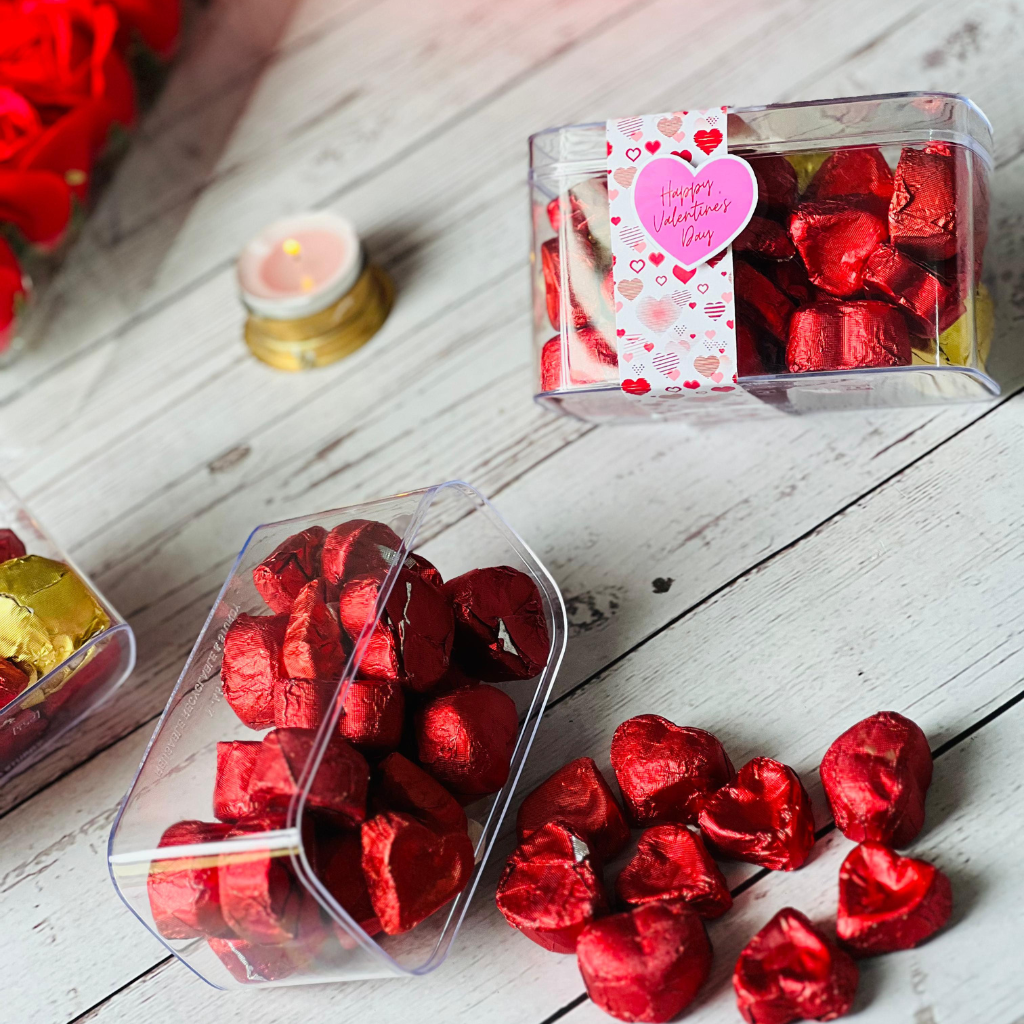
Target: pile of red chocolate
{"points": [[648, 962], [855, 271], [420, 733]]}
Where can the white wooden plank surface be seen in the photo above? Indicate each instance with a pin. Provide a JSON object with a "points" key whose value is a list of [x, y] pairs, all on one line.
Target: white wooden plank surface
{"points": [[173, 442]]}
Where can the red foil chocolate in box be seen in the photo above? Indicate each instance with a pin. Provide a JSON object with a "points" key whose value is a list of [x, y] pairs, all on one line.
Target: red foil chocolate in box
{"points": [[857, 281], [308, 808]]}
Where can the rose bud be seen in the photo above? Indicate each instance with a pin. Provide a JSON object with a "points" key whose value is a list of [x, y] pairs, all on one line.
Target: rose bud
{"points": [[251, 667], [500, 630], [847, 172], [360, 547], [412, 871], [373, 716], [923, 211], [776, 185], [403, 786], [551, 889], [578, 796], [666, 771], [184, 893], [876, 776], [312, 643], [341, 871], [302, 703], [672, 863], [764, 817], [835, 237], [19, 732], [412, 641], [929, 303], [13, 681], [790, 971], [888, 902], [765, 239], [10, 545], [466, 739], [338, 789], [236, 760], [847, 336], [646, 964], [759, 299], [288, 568]]}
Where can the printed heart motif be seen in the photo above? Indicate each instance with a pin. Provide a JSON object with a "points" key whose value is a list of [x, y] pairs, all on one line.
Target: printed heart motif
{"points": [[613, 193], [683, 154], [692, 214], [633, 153], [657, 315], [670, 125], [683, 275], [637, 265], [631, 289], [723, 389], [636, 136], [705, 365], [665, 361], [652, 147], [639, 247], [727, 296], [709, 335], [692, 384], [661, 280], [616, 221], [730, 324], [713, 310], [717, 378], [618, 307], [609, 145], [648, 346], [628, 356], [714, 260], [636, 387], [702, 288], [657, 258], [707, 142], [620, 333], [682, 296], [693, 305], [625, 175], [672, 374]]}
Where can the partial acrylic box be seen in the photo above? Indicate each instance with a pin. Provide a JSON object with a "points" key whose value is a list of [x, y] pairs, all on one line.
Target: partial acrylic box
{"points": [[300, 931], [84, 649], [925, 291]]}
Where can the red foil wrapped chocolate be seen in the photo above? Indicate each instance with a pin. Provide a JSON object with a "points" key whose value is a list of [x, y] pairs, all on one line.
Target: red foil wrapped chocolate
{"points": [[251, 667], [888, 902], [10, 545], [876, 776], [373, 716], [929, 303], [646, 964], [312, 643], [765, 239], [591, 360], [578, 796], [412, 642], [360, 547], [500, 630], [19, 732], [672, 863], [551, 268], [749, 362], [337, 790], [236, 760], [764, 817], [289, 567], [13, 681], [667, 771], [400, 785], [759, 300], [411, 870], [835, 237], [856, 171], [466, 739], [776, 185], [923, 211], [340, 860], [302, 703], [251, 963], [790, 971], [184, 894], [551, 888], [847, 336]]}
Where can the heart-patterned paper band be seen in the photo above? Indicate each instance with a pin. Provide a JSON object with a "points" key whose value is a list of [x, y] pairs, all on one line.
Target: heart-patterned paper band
{"points": [[677, 199]]}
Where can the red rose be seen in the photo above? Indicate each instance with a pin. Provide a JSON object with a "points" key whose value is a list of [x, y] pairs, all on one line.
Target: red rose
{"points": [[19, 123], [38, 203], [13, 292], [158, 23]]}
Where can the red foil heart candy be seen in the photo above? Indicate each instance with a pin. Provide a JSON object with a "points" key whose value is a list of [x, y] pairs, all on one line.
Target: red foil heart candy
{"points": [[340, 859], [672, 863], [776, 185], [578, 796], [250, 963], [551, 889], [251, 667], [847, 336], [764, 817], [667, 771], [10, 545], [289, 567], [466, 739], [400, 785], [835, 237], [337, 790], [847, 172], [500, 630], [412, 871], [646, 964], [591, 360], [765, 239], [12, 681], [876, 776], [312, 643], [360, 547], [790, 971], [929, 303], [923, 211], [373, 716], [236, 760], [761, 302], [888, 902], [302, 703], [184, 894]]}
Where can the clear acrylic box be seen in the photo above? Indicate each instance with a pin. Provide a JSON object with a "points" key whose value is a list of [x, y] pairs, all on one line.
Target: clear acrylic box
{"points": [[938, 289], [454, 527], [34, 720]]}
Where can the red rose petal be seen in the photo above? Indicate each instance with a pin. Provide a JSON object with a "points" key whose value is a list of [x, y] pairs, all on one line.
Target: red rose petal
{"points": [[37, 203], [158, 22]]}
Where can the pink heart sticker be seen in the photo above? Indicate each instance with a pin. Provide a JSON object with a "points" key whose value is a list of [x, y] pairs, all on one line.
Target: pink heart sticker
{"points": [[694, 214]]}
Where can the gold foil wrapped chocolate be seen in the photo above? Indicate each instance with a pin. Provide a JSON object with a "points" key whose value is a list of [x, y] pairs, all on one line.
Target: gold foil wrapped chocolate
{"points": [[954, 344]]}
